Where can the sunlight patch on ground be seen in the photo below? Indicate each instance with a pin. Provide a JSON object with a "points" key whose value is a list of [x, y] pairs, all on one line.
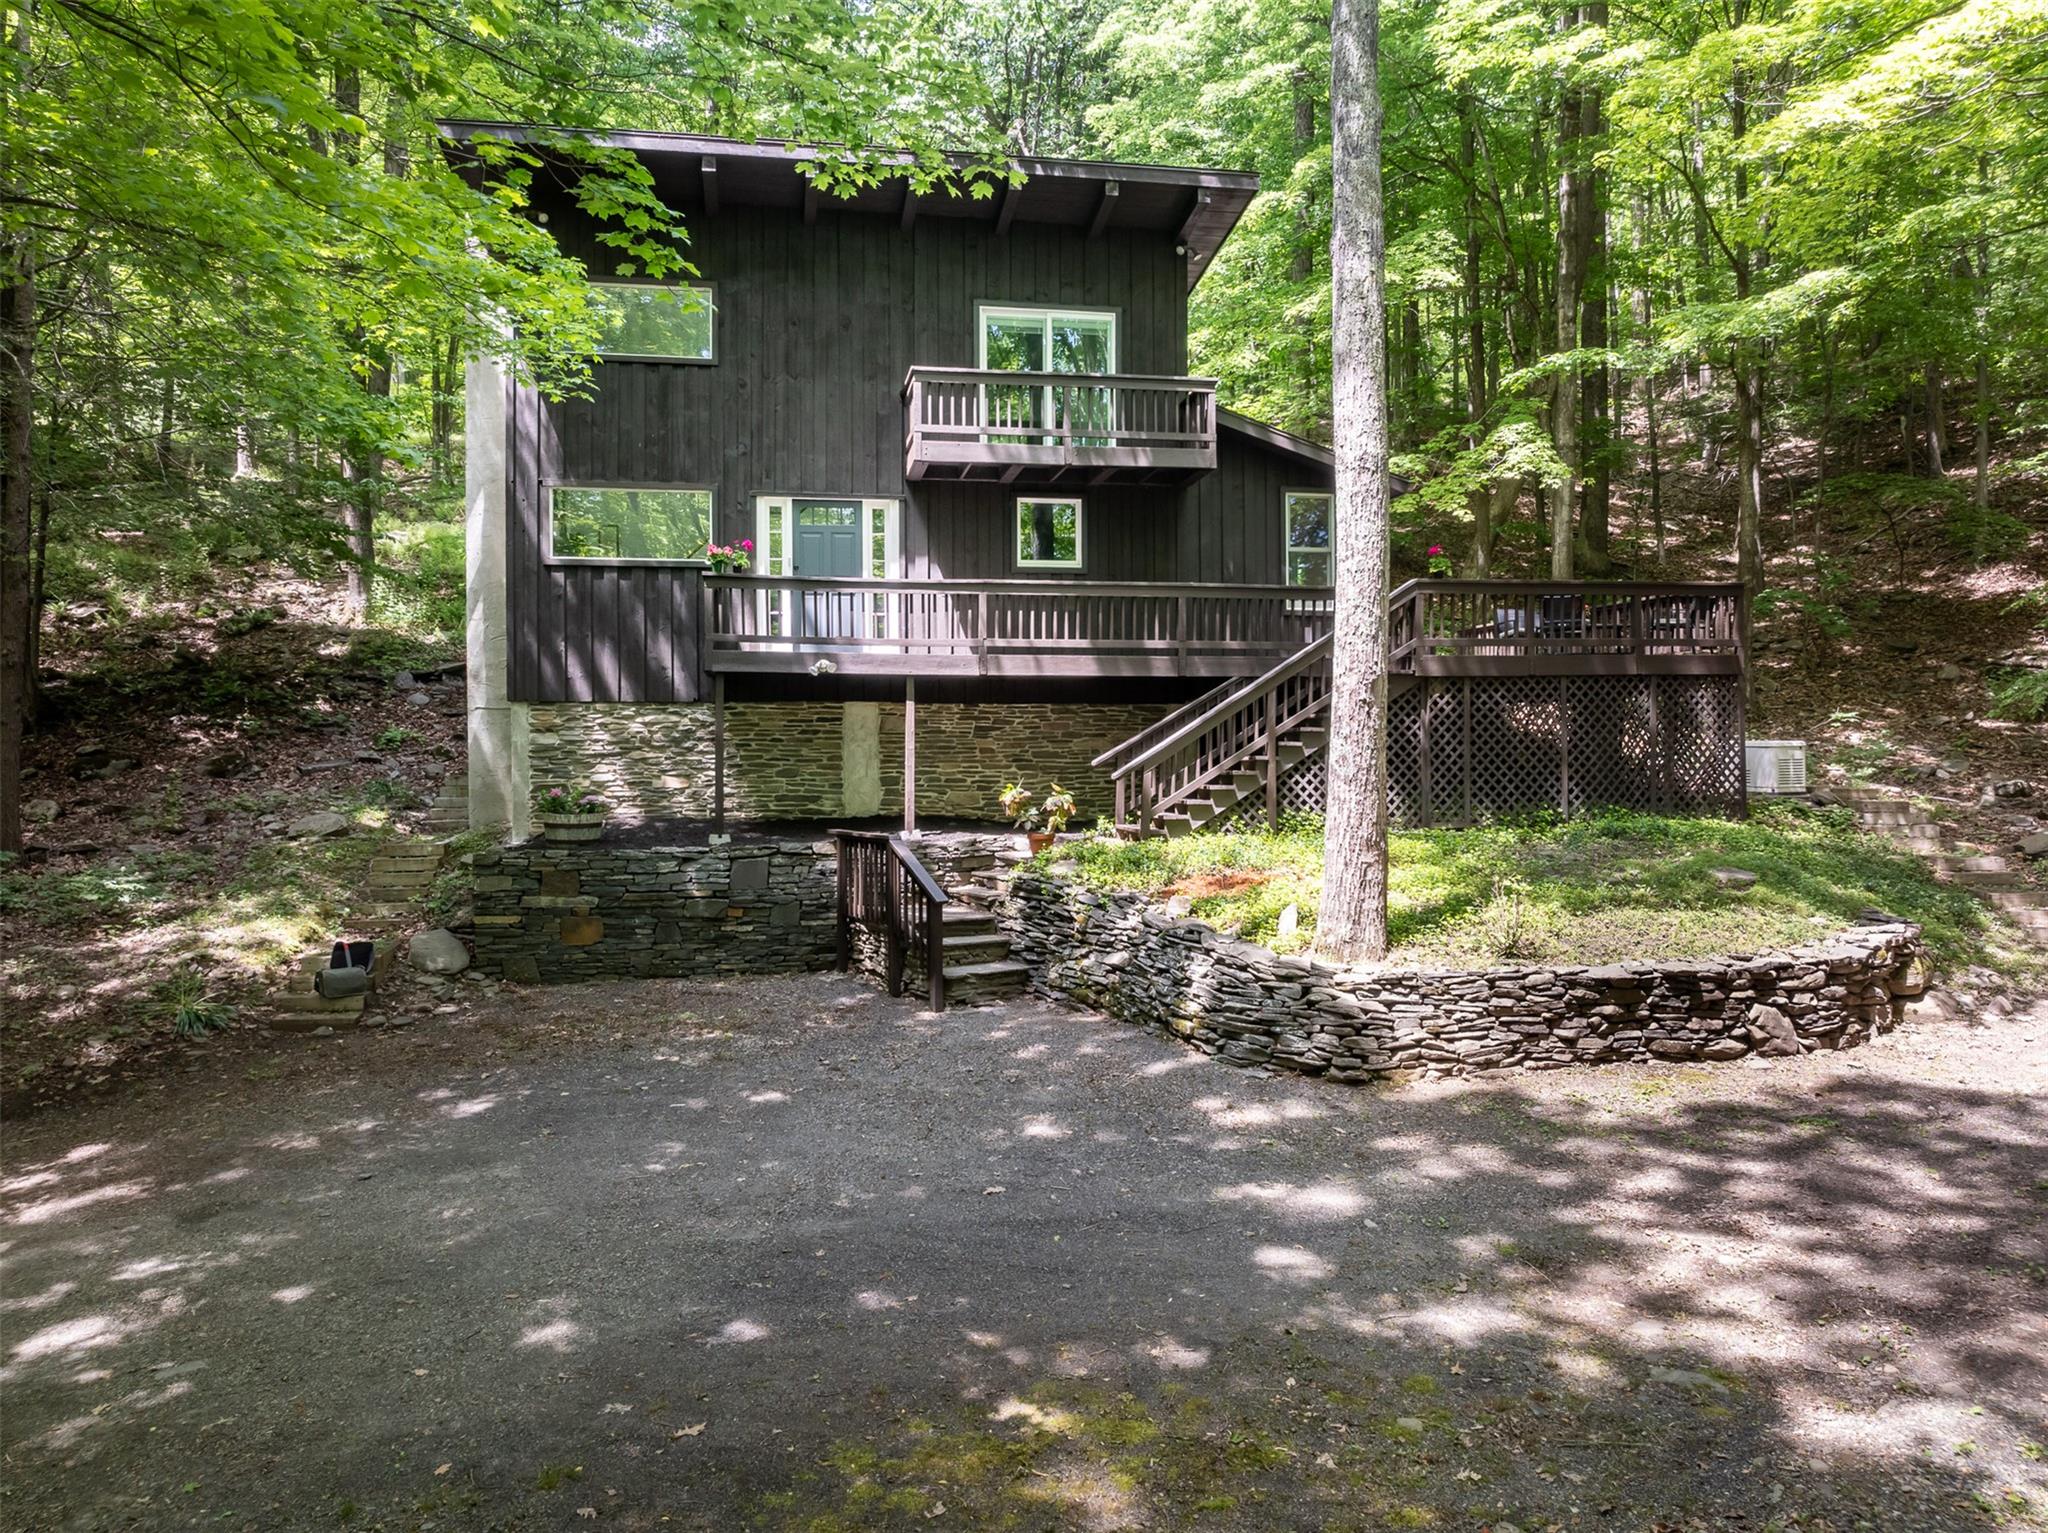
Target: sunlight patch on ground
{"points": [[737, 1331], [1293, 1264], [1325, 1201]]}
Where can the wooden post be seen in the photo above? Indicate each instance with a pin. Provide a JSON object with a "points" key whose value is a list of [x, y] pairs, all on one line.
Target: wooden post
{"points": [[842, 940], [1273, 760], [981, 631], [718, 753], [935, 954], [910, 755]]}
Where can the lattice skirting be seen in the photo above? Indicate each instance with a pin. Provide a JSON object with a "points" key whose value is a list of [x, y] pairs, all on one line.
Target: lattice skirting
{"points": [[1474, 749]]}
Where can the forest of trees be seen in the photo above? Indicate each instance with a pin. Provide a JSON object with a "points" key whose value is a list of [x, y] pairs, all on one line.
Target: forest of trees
{"points": [[237, 280]]}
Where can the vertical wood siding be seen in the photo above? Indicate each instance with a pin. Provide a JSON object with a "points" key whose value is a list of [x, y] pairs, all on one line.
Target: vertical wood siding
{"points": [[817, 326]]}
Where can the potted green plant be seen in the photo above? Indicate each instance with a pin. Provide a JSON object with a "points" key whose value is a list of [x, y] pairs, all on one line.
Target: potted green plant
{"points": [[571, 814], [1040, 822], [729, 558]]}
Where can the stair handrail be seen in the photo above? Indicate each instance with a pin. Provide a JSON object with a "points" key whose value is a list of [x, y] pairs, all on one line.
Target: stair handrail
{"points": [[1293, 665], [1113, 758], [878, 869]]}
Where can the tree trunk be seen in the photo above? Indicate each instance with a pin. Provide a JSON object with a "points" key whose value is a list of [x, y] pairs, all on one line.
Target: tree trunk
{"points": [[17, 424], [1571, 280], [1596, 395], [1352, 922], [1982, 276], [1937, 425], [1749, 382]]}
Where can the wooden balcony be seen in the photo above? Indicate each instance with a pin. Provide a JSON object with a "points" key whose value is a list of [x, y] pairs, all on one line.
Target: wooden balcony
{"points": [[1057, 430], [1031, 628], [1565, 628]]}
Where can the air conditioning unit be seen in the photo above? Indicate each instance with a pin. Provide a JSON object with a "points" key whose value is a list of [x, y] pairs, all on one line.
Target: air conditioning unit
{"points": [[1777, 766]]}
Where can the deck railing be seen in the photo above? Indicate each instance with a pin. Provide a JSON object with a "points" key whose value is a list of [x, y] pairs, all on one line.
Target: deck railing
{"points": [[1501, 628], [889, 900], [1038, 627], [965, 422]]}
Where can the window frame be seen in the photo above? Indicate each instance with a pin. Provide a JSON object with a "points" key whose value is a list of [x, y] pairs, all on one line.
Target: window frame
{"points": [[547, 508], [984, 307], [1288, 546], [710, 290], [1079, 564]]}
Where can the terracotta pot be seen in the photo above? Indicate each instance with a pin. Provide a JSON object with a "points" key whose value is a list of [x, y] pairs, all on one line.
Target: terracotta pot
{"points": [[572, 827], [1039, 840]]}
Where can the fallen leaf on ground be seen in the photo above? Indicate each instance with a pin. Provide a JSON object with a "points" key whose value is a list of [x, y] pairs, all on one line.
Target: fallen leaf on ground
{"points": [[689, 1431]]}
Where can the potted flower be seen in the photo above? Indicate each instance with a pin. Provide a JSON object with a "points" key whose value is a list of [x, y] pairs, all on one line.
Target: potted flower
{"points": [[1439, 562], [1040, 822], [730, 558], [571, 814]]}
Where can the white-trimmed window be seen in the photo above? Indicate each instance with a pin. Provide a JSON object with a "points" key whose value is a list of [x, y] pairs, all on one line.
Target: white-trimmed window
{"points": [[628, 524], [777, 519], [658, 321], [1048, 532], [1310, 516]]}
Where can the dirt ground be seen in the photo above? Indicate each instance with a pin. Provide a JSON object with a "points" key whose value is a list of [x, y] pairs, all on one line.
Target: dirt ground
{"points": [[790, 1255]]}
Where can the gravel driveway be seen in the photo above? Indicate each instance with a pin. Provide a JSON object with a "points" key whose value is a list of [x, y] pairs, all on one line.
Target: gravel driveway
{"points": [[787, 1254]]}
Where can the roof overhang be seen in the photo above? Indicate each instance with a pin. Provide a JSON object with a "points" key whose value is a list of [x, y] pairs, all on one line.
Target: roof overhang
{"points": [[694, 170], [1298, 447]]}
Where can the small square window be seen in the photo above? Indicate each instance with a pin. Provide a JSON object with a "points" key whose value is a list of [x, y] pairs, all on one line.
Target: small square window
{"points": [[657, 321], [1048, 534], [1310, 524], [620, 522]]}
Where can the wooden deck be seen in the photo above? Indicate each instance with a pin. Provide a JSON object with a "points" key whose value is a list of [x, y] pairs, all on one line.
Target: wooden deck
{"points": [[1037, 628], [1057, 430], [1565, 628], [1075, 628]]}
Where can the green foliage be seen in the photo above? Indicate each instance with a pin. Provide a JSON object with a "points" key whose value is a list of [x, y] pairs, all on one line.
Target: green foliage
{"points": [[191, 1011], [1594, 889], [2019, 693]]}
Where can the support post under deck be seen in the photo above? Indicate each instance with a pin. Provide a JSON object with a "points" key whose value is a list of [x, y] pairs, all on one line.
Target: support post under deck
{"points": [[910, 756], [718, 753]]}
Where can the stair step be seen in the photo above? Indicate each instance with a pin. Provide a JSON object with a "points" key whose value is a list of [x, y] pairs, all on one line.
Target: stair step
{"points": [[2016, 899], [1985, 879], [974, 948], [978, 981], [984, 894], [307, 1002], [956, 917]]}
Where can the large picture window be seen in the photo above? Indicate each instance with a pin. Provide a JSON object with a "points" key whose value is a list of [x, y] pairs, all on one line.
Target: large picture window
{"points": [[1310, 523], [1048, 533], [628, 523], [1022, 339], [658, 321]]}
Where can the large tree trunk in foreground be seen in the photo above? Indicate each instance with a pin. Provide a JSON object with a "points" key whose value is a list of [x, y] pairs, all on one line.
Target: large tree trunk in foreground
{"points": [[1352, 923]]}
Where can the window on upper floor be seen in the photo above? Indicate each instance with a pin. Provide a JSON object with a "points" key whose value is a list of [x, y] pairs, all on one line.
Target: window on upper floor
{"points": [[628, 523], [658, 321], [1024, 338], [1048, 533], [1311, 519]]}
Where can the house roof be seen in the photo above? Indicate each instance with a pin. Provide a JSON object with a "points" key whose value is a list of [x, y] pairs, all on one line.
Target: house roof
{"points": [[1298, 447], [1200, 206]]}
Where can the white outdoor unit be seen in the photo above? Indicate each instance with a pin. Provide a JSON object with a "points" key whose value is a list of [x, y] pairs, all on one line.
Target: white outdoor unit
{"points": [[1777, 766]]}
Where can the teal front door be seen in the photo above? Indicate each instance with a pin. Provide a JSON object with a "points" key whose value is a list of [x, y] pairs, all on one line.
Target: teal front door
{"points": [[828, 547]]}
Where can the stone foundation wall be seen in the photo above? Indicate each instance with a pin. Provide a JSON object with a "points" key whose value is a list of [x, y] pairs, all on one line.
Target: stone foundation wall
{"points": [[1125, 956], [817, 760], [549, 913]]}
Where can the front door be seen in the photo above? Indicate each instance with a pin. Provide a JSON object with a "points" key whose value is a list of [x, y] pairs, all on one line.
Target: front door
{"points": [[828, 547]]}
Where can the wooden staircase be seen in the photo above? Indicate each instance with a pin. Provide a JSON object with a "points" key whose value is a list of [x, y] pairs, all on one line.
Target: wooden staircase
{"points": [[895, 923], [1227, 750]]}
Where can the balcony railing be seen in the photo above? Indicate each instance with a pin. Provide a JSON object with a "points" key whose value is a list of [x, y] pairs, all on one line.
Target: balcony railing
{"points": [[1049, 429], [1005, 627]]}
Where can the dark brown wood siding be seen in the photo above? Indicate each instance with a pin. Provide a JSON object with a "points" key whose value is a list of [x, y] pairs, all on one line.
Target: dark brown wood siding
{"points": [[817, 325]]}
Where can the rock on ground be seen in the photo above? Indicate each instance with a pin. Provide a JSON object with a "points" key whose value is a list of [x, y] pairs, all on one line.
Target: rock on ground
{"points": [[313, 827], [437, 952]]}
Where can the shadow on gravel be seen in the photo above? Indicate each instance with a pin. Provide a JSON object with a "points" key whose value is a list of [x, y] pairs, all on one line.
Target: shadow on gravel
{"points": [[1028, 1271]]}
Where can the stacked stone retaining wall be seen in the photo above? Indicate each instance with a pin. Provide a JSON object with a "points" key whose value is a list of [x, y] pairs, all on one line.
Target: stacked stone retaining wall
{"points": [[552, 912], [1123, 955]]}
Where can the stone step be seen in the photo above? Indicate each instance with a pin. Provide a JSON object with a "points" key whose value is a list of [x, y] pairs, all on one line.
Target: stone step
{"points": [[976, 894], [2015, 898], [984, 981], [972, 948], [1988, 879], [306, 1003], [1970, 862], [966, 919]]}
